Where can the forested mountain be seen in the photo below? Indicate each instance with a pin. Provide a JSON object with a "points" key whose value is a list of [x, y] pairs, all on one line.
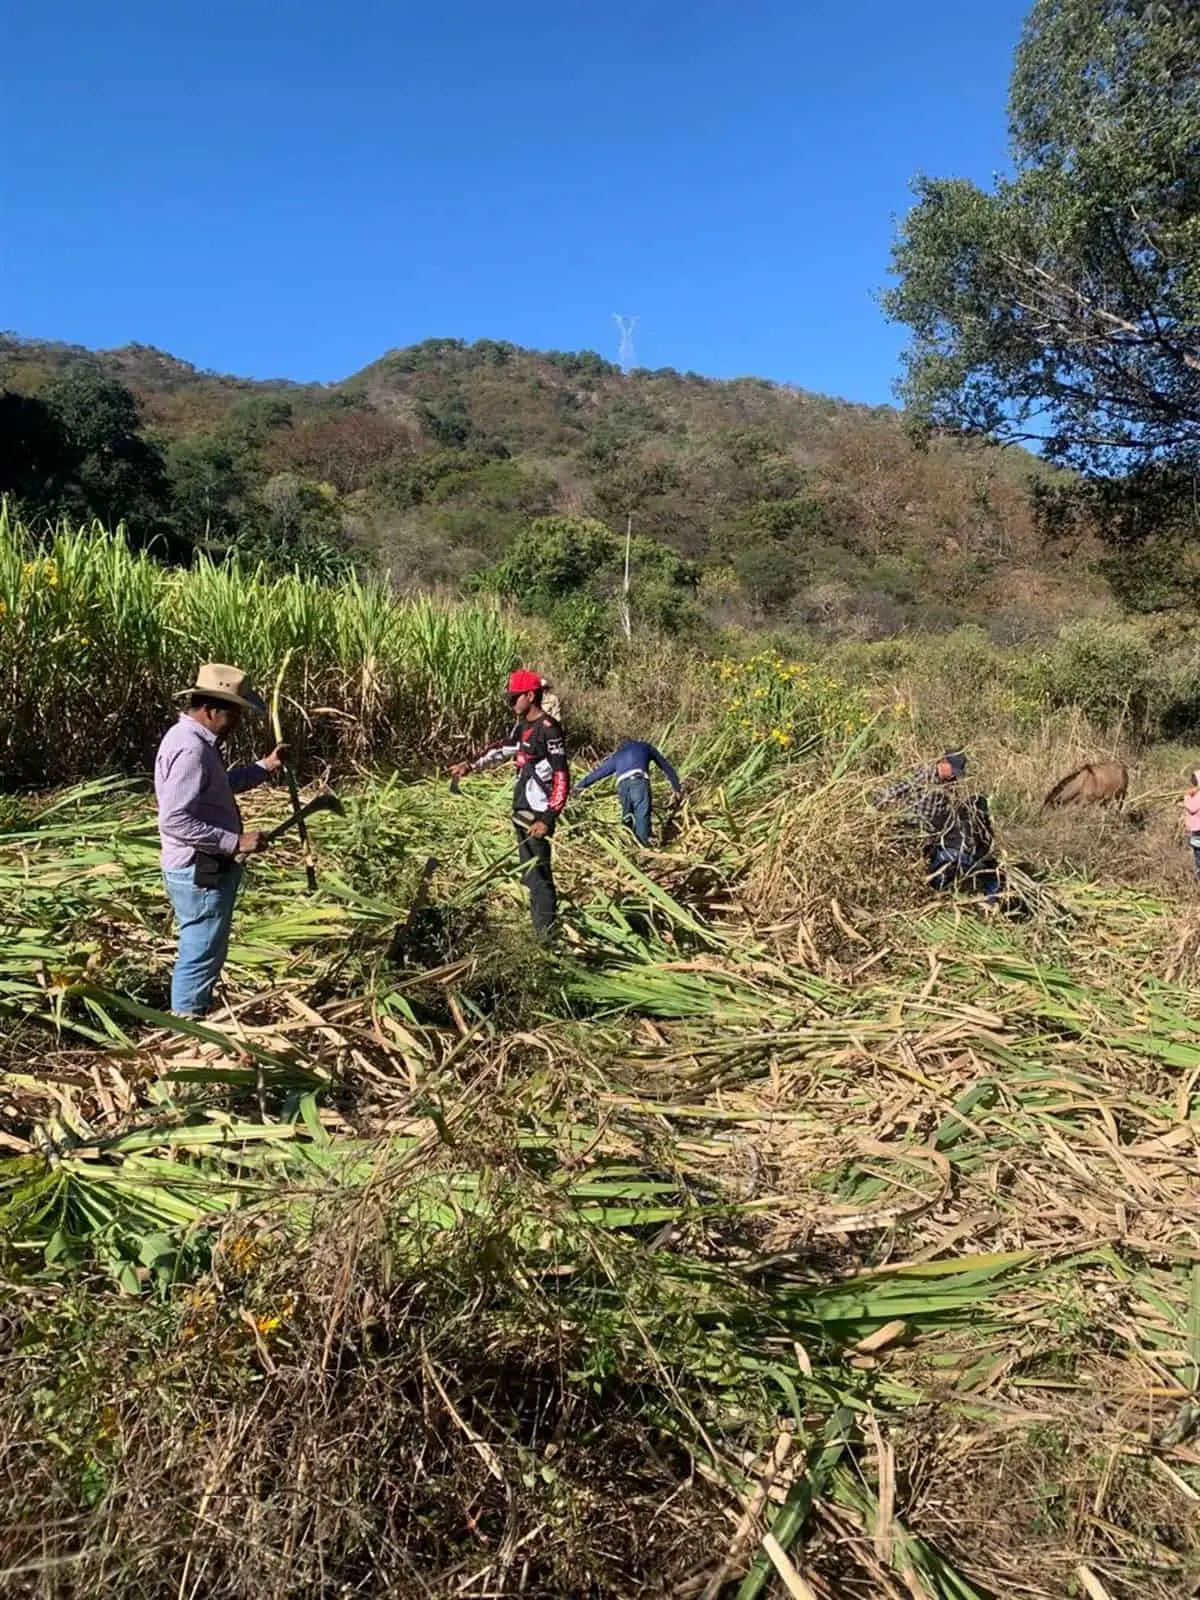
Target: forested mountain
{"points": [[750, 500]]}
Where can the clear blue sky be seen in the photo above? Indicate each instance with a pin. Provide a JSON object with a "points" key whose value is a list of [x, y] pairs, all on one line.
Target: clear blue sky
{"points": [[290, 189]]}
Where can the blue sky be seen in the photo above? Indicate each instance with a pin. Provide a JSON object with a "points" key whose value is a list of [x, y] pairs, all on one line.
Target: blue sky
{"points": [[290, 189]]}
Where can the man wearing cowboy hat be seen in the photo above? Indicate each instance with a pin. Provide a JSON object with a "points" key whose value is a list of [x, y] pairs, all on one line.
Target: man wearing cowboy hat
{"points": [[200, 826]]}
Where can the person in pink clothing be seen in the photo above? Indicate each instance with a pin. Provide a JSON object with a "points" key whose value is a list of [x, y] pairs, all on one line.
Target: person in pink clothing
{"points": [[1191, 818]]}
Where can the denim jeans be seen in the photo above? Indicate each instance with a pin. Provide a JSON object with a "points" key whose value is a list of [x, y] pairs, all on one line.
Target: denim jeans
{"points": [[635, 806], [1196, 858], [950, 867], [204, 917]]}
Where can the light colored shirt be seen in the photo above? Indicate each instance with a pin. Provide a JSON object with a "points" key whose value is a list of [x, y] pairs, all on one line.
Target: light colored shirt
{"points": [[196, 805]]}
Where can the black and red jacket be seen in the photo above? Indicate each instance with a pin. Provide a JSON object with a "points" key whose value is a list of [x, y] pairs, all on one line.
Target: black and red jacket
{"points": [[539, 749]]}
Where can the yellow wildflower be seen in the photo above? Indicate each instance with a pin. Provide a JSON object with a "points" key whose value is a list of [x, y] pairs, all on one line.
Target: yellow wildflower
{"points": [[243, 1252], [269, 1321]]}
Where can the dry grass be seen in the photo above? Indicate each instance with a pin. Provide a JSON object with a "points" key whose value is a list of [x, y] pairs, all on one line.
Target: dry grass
{"points": [[572, 1279]]}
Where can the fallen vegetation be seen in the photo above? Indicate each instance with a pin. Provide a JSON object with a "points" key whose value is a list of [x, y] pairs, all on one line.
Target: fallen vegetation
{"points": [[787, 1231]]}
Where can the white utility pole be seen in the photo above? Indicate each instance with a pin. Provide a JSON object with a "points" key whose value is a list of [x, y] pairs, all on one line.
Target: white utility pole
{"points": [[626, 326]]}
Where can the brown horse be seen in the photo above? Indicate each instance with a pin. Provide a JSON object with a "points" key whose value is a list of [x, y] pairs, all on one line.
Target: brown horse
{"points": [[1096, 783]]}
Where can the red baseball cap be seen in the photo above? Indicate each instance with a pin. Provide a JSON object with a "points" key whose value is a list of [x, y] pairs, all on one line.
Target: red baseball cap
{"points": [[523, 682]]}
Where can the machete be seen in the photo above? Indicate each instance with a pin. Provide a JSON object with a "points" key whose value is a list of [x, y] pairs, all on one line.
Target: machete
{"points": [[326, 801]]}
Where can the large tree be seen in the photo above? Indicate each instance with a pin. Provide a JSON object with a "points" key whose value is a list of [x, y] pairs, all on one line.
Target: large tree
{"points": [[117, 474], [1062, 306]]}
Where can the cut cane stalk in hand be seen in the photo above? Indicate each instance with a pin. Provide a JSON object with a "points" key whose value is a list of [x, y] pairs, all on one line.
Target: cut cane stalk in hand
{"points": [[298, 813]]}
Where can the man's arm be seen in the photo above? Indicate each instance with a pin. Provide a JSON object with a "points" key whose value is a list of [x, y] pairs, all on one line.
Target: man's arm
{"points": [[665, 767], [605, 770], [491, 756], [247, 777], [494, 755], [560, 785], [178, 787], [256, 772]]}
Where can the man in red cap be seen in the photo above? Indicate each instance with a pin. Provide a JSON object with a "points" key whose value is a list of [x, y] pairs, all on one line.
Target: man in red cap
{"points": [[539, 749]]}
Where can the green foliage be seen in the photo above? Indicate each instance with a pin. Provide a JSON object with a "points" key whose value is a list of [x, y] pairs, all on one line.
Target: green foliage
{"points": [[631, 483], [294, 524], [568, 568], [448, 423], [118, 475], [415, 480], [795, 518], [36, 459], [779, 708], [554, 557], [97, 638], [77, 451], [491, 485], [770, 573], [440, 456], [252, 419], [1062, 305], [584, 630], [582, 363], [1106, 670], [485, 505], [207, 488]]}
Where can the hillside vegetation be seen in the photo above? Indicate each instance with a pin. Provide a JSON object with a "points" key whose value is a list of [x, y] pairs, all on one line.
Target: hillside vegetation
{"points": [[757, 501]]}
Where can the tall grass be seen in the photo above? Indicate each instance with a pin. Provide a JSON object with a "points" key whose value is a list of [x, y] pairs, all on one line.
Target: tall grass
{"points": [[95, 638]]}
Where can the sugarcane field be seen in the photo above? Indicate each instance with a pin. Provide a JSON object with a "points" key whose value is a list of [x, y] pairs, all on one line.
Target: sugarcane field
{"points": [[780, 1218]]}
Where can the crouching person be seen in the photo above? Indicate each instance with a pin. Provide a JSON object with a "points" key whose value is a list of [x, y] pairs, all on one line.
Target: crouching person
{"points": [[955, 827], [200, 826]]}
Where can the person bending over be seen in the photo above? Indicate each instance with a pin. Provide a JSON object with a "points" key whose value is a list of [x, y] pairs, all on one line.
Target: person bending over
{"points": [[630, 765]]}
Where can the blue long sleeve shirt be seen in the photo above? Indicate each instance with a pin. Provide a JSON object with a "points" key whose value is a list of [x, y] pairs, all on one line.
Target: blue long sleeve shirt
{"points": [[633, 759]]}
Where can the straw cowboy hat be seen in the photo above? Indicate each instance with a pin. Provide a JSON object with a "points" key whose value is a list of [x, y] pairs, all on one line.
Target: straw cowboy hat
{"points": [[218, 682]]}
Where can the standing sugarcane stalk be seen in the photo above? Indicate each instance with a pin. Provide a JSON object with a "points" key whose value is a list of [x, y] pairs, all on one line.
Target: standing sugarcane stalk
{"points": [[310, 865]]}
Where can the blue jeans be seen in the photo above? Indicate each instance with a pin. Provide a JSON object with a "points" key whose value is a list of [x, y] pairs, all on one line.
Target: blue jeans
{"points": [[635, 806], [950, 867], [204, 917]]}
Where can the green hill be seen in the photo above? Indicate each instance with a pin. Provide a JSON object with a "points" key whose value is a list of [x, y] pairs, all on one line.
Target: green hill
{"points": [[794, 507]]}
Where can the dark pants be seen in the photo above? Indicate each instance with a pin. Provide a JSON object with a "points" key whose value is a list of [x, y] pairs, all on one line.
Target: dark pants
{"points": [[1196, 858], [634, 794], [950, 867], [538, 878]]}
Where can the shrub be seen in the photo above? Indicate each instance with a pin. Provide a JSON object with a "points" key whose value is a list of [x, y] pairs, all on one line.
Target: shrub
{"points": [[786, 707], [584, 632], [770, 573], [1106, 669]]}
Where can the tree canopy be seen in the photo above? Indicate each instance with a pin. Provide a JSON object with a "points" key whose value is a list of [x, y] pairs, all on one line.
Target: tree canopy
{"points": [[1063, 305]]}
